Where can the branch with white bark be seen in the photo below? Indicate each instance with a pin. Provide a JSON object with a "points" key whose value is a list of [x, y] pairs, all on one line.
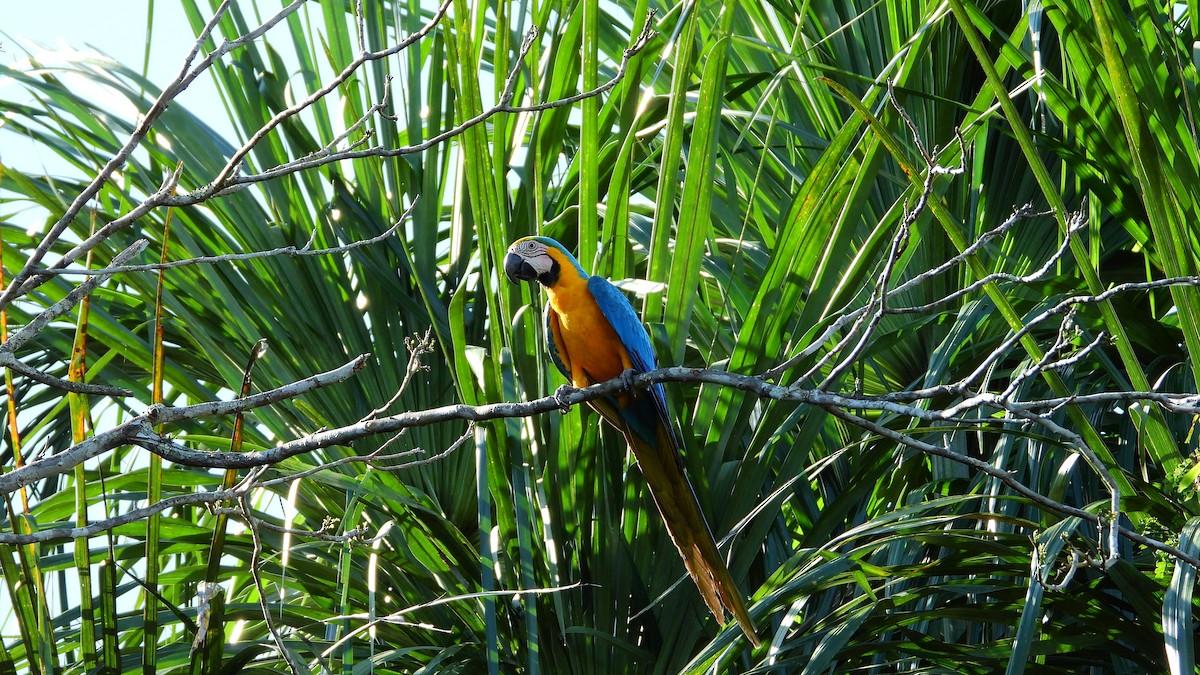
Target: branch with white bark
{"points": [[140, 431]]}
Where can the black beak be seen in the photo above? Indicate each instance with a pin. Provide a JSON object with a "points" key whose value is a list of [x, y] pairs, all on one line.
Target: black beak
{"points": [[516, 269]]}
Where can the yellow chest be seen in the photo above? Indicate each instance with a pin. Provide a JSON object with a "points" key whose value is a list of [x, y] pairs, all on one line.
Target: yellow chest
{"points": [[586, 341]]}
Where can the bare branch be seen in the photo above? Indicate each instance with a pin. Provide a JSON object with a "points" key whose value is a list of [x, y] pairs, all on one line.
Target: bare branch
{"points": [[232, 183], [222, 177], [10, 361], [162, 414], [417, 347], [878, 297], [357, 534], [995, 277], [378, 108], [375, 460], [248, 483], [287, 251], [140, 431], [131, 516], [228, 181], [27, 279], [35, 326], [128, 433], [1050, 359], [877, 305], [256, 574], [397, 617], [1006, 478]]}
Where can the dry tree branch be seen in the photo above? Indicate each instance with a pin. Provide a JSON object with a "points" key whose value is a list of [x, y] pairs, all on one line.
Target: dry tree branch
{"points": [[127, 432], [140, 431], [28, 278], [356, 534], [1016, 486], [866, 318], [283, 251], [227, 181], [1080, 446], [98, 276], [878, 300], [378, 108], [375, 460], [1078, 560], [17, 339], [233, 494], [232, 183], [59, 383], [397, 616], [35, 326], [877, 306], [256, 575], [857, 315], [1075, 220], [417, 347], [132, 516], [1050, 359], [364, 57]]}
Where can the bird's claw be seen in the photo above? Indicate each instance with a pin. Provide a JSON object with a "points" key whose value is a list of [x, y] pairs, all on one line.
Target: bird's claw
{"points": [[560, 397], [626, 378]]}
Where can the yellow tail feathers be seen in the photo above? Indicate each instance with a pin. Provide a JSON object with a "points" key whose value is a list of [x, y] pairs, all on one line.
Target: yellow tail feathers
{"points": [[676, 500]]}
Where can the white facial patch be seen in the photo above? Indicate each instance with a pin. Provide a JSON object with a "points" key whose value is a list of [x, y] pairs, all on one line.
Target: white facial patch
{"points": [[534, 253]]}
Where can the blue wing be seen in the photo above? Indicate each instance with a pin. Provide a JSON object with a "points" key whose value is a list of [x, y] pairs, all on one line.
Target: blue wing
{"points": [[643, 419], [553, 338], [624, 320]]}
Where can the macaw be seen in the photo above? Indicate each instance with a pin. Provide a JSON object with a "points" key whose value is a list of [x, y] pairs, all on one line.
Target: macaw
{"points": [[594, 335]]}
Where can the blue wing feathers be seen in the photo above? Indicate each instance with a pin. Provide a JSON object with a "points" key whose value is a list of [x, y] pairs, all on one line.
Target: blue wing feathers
{"points": [[550, 321], [624, 320]]}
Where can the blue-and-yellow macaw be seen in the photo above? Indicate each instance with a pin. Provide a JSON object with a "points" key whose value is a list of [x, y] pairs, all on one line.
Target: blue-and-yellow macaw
{"points": [[594, 335]]}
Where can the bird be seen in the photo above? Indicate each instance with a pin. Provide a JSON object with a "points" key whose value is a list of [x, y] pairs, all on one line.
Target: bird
{"points": [[593, 335]]}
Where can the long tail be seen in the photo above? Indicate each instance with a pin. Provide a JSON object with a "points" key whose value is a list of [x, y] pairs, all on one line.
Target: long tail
{"points": [[662, 466]]}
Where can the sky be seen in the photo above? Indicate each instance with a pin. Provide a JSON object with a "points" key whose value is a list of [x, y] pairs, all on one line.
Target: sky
{"points": [[76, 25], [64, 25], [83, 24]]}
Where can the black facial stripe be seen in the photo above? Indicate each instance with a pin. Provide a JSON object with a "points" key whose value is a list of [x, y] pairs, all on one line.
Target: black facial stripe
{"points": [[548, 278]]}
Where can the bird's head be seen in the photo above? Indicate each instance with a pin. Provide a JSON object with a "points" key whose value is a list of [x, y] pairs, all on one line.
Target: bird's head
{"points": [[539, 259]]}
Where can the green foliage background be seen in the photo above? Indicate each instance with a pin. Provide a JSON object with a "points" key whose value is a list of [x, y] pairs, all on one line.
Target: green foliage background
{"points": [[752, 168]]}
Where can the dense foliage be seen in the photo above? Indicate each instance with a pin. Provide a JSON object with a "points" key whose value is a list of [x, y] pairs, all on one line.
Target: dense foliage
{"points": [[750, 171]]}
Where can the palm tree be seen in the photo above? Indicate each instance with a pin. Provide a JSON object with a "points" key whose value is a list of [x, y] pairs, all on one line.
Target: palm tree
{"points": [[756, 176]]}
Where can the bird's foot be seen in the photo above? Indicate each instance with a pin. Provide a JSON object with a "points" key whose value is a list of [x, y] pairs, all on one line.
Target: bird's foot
{"points": [[560, 397], [626, 377]]}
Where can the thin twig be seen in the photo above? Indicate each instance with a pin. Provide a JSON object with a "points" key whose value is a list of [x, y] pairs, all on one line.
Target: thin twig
{"points": [[35, 326], [27, 279], [397, 617], [417, 347], [209, 499], [128, 432], [878, 299], [229, 183], [255, 562], [285, 251], [1007, 479], [10, 361], [132, 516], [223, 176]]}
